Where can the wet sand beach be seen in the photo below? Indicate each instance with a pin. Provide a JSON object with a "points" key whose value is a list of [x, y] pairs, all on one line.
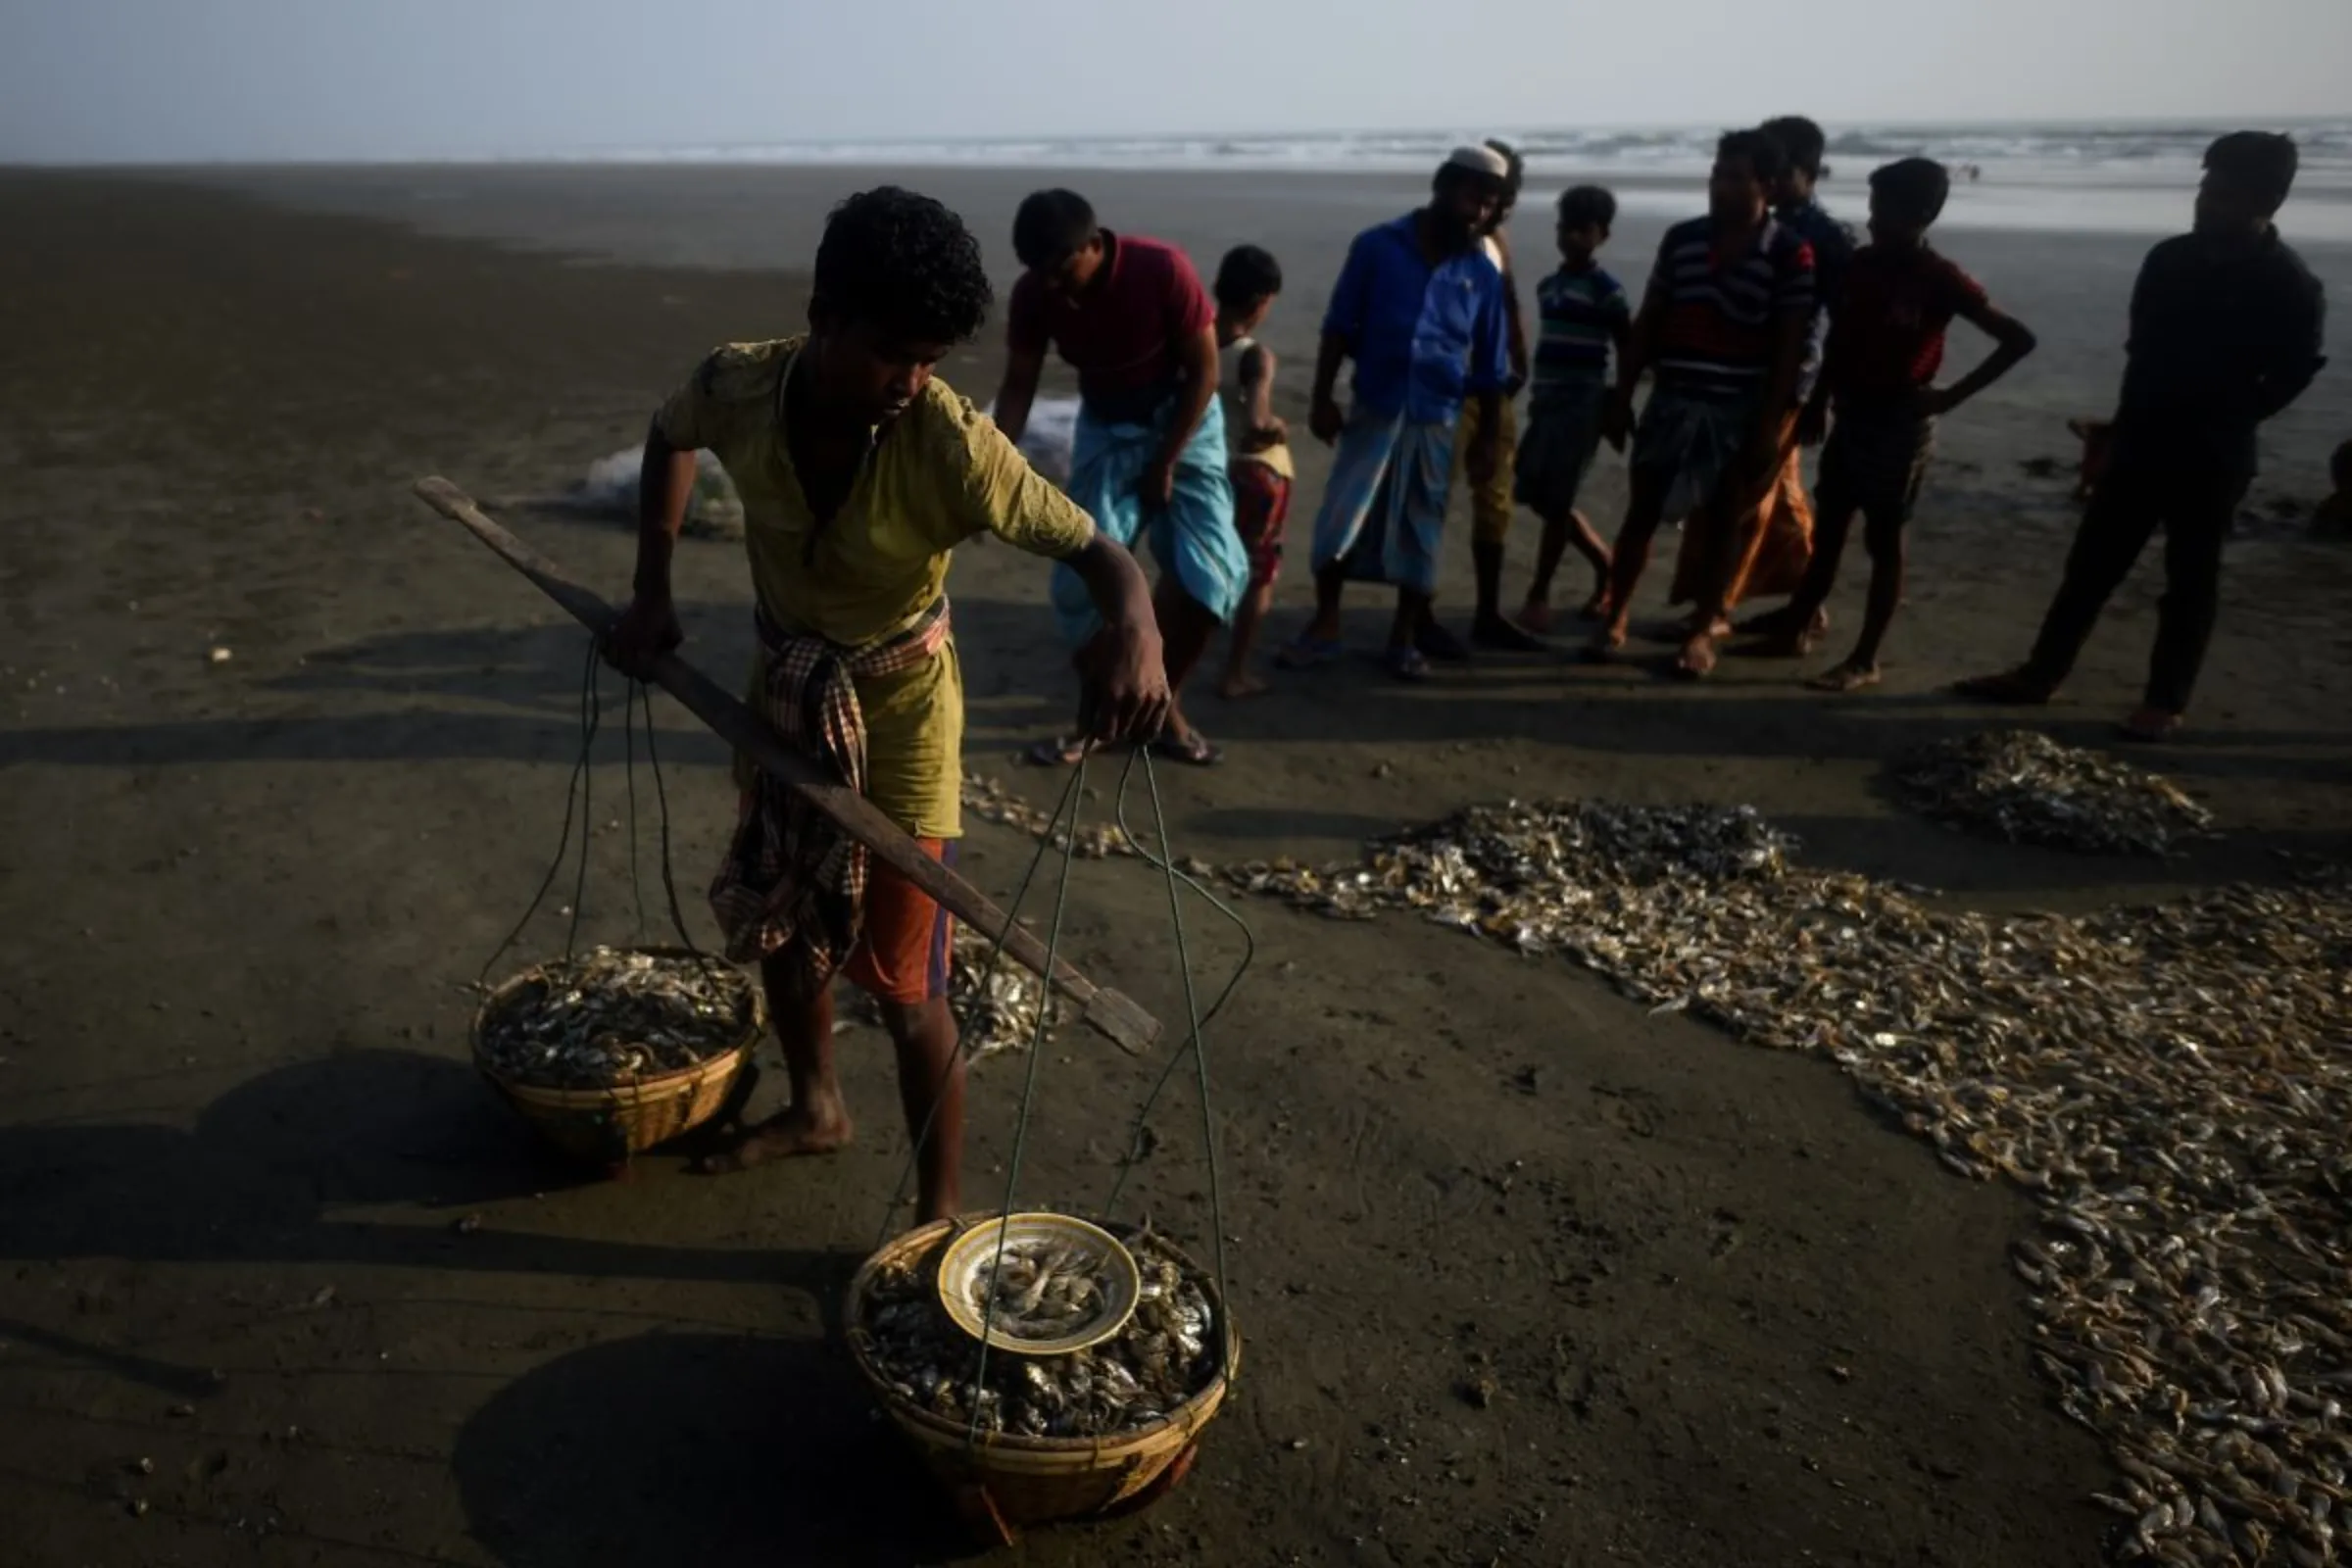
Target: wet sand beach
{"points": [[263, 1230]]}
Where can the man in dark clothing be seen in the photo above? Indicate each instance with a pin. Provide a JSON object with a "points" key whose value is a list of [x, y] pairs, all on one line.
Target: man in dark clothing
{"points": [[2225, 332]]}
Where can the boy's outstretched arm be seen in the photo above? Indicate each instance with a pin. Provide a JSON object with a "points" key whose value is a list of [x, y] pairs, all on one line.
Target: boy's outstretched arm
{"points": [[1016, 392], [1125, 685], [2012, 342]]}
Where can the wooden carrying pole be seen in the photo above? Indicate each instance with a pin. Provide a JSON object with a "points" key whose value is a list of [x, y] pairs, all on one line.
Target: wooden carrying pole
{"points": [[1116, 1016]]}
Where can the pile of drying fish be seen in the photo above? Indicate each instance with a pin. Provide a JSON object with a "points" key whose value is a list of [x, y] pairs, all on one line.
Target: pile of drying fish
{"points": [[988, 800], [610, 1016], [1039, 1289], [2024, 787], [2173, 1084], [1166, 1354]]}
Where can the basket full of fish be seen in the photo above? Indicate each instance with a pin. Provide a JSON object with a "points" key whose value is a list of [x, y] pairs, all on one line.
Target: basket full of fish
{"points": [[1048, 1369], [613, 1051]]}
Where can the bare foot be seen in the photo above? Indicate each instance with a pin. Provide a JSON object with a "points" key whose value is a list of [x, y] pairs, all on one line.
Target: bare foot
{"points": [[1697, 658], [1233, 688], [2152, 724], [819, 1129], [1599, 607], [1607, 643], [1849, 676], [1535, 616]]}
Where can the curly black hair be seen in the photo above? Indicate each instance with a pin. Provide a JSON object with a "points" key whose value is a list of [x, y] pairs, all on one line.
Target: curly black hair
{"points": [[905, 264]]}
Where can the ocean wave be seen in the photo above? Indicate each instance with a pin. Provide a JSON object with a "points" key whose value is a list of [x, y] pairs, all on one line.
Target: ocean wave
{"points": [[2032, 150]]}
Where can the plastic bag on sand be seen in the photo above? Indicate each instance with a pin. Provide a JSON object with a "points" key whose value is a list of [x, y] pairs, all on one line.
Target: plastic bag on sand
{"points": [[714, 511]]}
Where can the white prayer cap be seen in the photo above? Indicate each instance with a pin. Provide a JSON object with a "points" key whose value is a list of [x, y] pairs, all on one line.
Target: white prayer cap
{"points": [[1479, 161]]}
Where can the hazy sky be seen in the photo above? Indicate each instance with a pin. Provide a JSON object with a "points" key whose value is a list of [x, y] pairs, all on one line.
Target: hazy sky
{"points": [[155, 81]]}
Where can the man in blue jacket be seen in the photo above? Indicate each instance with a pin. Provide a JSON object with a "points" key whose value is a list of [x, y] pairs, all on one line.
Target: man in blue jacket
{"points": [[1419, 307]]}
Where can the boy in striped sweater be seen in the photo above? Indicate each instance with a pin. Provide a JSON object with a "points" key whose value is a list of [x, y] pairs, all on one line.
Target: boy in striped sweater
{"points": [[1584, 315], [1723, 321]]}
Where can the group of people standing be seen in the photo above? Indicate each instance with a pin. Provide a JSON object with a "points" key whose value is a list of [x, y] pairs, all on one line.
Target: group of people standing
{"points": [[1766, 328], [1762, 325]]}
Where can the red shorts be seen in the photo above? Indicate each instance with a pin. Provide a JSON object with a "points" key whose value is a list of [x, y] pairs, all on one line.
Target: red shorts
{"points": [[904, 955], [1261, 504]]}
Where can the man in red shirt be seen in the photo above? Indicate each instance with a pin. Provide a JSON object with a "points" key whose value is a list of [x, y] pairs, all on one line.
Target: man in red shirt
{"points": [[1886, 345], [1131, 317]]}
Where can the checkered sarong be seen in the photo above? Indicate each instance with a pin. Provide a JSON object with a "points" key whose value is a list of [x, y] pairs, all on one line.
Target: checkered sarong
{"points": [[790, 876]]}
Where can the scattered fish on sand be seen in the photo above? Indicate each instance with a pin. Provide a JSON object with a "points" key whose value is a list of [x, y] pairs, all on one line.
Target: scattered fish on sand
{"points": [[1166, 1354], [2024, 787], [991, 800], [610, 1016], [2171, 1084]]}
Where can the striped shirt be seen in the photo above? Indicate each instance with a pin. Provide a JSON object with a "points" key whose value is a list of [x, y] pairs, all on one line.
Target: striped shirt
{"points": [[1716, 336], [1582, 314]]}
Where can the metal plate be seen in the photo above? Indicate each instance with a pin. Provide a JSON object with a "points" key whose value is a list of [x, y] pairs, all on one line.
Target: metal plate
{"points": [[971, 1254]]}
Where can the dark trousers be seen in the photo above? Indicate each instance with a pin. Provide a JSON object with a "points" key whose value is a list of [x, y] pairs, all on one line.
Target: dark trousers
{"points": [[2193, 504]]}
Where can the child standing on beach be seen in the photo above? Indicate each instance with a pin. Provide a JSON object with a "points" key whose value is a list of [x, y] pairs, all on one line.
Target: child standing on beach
{"points": [[1886, 345], [1584, 314], [1257, 443]]}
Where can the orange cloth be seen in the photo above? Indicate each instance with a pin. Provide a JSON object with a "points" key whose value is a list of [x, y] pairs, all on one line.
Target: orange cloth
{"points": [[1768, 548], [907, 944], [907, 941]]}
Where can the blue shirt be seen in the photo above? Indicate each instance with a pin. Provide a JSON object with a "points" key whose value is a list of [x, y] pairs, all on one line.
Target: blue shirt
{"points": [[1832, 248], [1423, 338]]}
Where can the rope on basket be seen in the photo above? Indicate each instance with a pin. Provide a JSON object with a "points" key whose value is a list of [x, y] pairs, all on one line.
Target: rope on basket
{"points": [[1057, 835], [579, 802]]}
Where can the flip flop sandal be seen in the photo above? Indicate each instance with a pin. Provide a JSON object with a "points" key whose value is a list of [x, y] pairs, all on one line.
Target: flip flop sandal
{"points": [[1055, 753], [1199, 752]]}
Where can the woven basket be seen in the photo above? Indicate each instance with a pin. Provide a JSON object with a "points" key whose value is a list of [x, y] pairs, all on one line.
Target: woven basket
{"points": [[1017, 1480], [609, 1125]]}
